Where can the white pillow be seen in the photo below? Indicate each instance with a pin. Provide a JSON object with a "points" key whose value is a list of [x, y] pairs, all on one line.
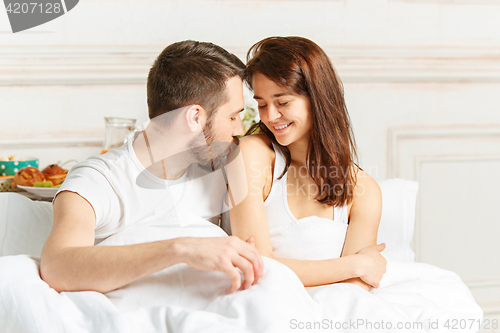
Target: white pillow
{"points": [[24, 225], [397, 223]]}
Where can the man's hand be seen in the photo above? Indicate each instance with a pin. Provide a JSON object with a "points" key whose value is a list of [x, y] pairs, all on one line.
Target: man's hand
{"points": [[224, 254], [373, 264]]}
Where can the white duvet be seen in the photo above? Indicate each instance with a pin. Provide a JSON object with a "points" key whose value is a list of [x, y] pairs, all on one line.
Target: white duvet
{"points": [[413, 297]]}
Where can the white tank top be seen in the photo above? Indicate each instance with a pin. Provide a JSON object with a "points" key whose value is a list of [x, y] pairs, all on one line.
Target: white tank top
{"points": [[309, 238]]}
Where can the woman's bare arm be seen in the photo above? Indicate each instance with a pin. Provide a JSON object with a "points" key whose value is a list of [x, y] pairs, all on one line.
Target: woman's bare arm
{"points": [[364, 219]]}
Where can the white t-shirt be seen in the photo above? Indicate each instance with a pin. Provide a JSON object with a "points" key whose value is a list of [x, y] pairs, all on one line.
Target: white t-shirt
{"points": [[122, 192]]}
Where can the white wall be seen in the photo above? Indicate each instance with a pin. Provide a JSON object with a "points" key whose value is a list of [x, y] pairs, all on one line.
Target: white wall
{"points": [[421, 77]]}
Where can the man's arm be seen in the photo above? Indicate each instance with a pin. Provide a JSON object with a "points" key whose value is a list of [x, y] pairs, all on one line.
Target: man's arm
{"points": [[71, 262]]}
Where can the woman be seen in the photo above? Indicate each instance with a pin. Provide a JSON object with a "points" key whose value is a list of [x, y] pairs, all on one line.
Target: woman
{"points": [[306, 204]]}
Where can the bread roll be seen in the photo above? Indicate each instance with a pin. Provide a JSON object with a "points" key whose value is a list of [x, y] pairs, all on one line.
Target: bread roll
{"points": [[27, 176], [55, 174]]}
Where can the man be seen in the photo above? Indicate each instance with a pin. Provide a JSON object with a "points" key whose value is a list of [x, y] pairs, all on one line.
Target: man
{"points": [[194, 94]]}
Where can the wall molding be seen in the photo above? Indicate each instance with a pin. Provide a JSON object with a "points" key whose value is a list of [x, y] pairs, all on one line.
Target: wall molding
{"points": [[484, 283], [75, 65], [52, 148], [418, 161], [491, 309], [104, 65], [404, 163], [52, 141], [399, 134]]}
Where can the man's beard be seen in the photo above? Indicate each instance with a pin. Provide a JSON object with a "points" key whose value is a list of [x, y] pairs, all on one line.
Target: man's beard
{"points": [[209, 151]]}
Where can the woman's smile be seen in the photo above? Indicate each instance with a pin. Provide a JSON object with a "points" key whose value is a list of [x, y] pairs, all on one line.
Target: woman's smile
{"points": [[281, 128]]}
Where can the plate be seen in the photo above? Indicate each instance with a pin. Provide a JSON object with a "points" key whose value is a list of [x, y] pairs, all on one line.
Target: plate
{"points": [[44, 192]]}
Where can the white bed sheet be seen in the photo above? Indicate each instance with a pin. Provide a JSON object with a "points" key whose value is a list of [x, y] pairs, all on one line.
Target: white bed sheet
{"points": [[181, 299]]}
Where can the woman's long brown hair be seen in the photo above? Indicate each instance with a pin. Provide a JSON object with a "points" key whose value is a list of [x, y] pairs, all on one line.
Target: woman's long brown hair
{"points": [[302, 67]]}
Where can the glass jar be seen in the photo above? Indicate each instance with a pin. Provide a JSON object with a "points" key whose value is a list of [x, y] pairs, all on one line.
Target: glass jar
{"points": [[117, 131]]}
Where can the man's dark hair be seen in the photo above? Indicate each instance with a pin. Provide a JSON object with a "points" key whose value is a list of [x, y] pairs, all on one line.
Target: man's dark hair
{"points": [[191, 72]]}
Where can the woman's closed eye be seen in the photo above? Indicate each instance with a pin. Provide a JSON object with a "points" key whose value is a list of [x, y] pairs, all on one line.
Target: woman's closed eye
{"points": [[285, 103]]}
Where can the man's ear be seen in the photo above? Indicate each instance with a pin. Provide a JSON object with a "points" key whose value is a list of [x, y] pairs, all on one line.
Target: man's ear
{"points": [[195, 117]]}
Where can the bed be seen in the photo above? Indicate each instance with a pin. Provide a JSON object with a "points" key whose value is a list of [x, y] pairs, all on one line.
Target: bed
{"points": [[413, 296]]}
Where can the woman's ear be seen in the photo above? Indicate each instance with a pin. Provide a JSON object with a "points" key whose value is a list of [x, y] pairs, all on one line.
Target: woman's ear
{"points": [[194, 117]]}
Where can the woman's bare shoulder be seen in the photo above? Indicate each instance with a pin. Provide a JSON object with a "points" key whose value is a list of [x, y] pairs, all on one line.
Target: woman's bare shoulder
{"points": [[257, 146], [257, 139], [366, 189], [362, 176]]}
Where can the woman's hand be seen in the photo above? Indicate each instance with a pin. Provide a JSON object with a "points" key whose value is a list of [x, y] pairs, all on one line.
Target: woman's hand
{"points": [[373, 264]]}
